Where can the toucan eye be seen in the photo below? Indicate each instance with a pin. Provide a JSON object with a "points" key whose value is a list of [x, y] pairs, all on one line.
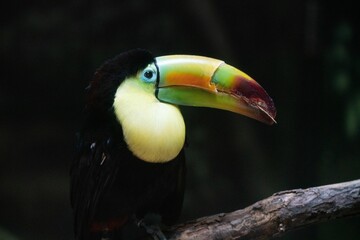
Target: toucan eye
{"points": [[149, 74]]}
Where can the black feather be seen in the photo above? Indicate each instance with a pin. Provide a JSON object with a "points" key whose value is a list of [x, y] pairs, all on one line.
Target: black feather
{"points": [[107, 181]]}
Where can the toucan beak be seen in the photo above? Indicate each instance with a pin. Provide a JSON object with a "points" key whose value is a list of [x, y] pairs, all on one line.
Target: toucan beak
{"points": [[207, 82]]}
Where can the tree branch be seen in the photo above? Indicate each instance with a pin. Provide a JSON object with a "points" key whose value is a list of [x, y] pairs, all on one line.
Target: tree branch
{"points": [[276, 215]]}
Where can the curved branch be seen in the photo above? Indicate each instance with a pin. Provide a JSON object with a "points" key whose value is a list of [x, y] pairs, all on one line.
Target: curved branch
{"points": [[276, 215]]}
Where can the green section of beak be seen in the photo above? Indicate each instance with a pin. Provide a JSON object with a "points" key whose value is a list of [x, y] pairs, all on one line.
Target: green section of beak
{"points": [[206, 82]]}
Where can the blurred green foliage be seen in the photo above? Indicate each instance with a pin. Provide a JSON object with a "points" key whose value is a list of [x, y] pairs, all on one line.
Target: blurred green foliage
{"points": [[304, 53]]}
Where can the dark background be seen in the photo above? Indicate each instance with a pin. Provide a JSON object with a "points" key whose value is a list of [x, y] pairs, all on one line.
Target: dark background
{"points": [[305, 53]]}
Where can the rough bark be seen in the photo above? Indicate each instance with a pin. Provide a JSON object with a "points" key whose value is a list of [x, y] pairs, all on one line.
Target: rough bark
{"points": [[276, 215]]}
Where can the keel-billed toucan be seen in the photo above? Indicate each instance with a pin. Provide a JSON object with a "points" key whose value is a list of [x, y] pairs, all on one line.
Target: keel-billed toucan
{"points": [[130, 160]]}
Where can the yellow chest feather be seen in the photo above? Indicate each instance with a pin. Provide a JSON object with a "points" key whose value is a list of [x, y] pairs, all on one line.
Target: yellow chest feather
{"points": [[154, 131]]}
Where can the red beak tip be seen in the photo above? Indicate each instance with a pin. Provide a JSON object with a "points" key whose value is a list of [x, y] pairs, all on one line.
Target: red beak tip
{"points": [[269, 116]]}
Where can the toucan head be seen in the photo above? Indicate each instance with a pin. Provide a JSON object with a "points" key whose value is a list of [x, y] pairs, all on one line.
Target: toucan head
{"points": [[144, 92]]}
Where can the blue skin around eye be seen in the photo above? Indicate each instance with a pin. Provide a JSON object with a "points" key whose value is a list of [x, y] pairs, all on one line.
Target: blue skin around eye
{"points": [[145, 79]]}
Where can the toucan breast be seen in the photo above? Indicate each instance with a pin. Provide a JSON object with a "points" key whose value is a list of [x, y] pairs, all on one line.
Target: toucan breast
{"points": [[154, 131]]}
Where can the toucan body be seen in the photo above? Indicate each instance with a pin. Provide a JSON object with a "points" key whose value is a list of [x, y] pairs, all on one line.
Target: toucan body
{"points": [[130, 160]]}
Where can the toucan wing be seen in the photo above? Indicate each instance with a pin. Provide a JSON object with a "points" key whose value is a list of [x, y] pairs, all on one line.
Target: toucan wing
{"points": [[92, 173]]}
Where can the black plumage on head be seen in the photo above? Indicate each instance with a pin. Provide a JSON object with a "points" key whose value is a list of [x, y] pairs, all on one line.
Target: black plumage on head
{"points": [[102, 88]]}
